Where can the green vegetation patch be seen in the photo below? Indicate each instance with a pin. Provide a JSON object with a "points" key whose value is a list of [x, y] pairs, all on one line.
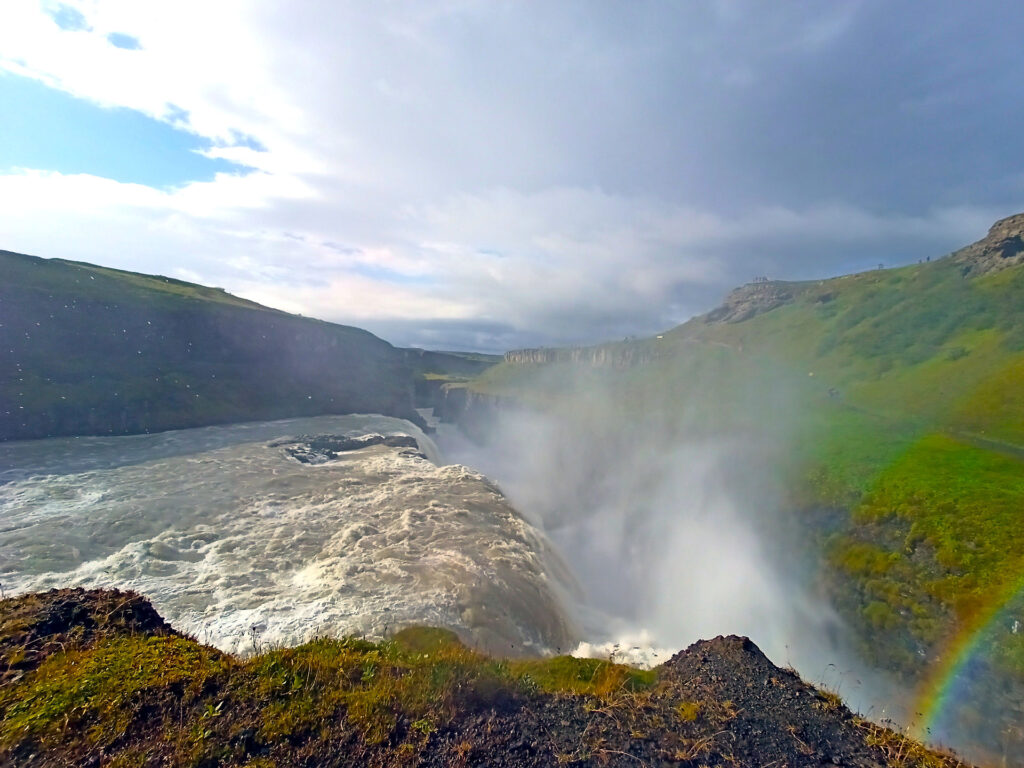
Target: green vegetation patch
{"points": [[374, 686], [98, 694], [966, 504], [995, 408], [398, 691], [588, 677], [936, 540], [841, 453]]}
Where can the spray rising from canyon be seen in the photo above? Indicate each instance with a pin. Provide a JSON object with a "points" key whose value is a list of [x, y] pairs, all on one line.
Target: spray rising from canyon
{"points": [[668, 503]]}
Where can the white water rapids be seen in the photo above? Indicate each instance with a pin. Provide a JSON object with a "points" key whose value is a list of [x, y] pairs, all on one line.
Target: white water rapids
{"points": [[240, 544], [234, 540]]}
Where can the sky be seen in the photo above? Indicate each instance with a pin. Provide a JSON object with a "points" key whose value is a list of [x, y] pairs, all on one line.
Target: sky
{"points": [[485, 174]]}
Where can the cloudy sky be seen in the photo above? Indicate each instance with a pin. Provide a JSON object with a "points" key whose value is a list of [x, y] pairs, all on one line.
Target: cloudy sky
{"points": [[482, 174]]}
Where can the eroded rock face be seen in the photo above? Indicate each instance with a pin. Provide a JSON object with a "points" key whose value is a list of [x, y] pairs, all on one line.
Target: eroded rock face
{"points": [[1002, 247], [749, 300], [601, 356]]}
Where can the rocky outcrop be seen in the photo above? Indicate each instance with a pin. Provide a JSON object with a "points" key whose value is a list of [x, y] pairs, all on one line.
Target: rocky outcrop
{"points": [[473, 412], [622, 355], [751, 300], [319, 449], [1002, 247], [36, 626]]}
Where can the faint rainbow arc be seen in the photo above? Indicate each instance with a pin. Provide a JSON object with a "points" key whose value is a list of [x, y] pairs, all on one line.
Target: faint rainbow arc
{"points": [[935, 691]]}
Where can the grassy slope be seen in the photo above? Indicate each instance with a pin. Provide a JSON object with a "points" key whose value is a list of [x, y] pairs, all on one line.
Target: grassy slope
{"points": [[920, 444], [90, 350]]}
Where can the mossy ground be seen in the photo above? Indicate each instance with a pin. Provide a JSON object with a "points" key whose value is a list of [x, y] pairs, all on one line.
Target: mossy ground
{"points": [[102, 692], [114, 695]]}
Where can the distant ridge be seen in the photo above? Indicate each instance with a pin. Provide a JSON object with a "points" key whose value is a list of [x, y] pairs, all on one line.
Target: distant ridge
{"points": [[88, 350]]}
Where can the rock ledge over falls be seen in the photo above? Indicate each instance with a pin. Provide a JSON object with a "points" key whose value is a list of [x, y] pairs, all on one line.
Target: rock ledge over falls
{"points": [[91, 677], [317, 449]]}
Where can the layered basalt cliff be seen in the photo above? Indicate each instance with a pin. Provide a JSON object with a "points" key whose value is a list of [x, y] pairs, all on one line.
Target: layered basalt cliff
{"points": [[621, 355], [472, 411]]}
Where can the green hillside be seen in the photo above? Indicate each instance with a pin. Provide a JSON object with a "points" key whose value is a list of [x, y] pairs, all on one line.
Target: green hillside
{"points": [[898, 396], [90, 350]]}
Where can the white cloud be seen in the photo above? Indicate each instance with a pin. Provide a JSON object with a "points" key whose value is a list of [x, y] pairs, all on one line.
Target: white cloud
{"points": [[564, 264], [436, 164]]}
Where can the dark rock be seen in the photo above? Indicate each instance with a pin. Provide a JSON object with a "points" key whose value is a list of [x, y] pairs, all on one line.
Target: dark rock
{"points": [[1002, 247], [317, 449], [751, 300]]}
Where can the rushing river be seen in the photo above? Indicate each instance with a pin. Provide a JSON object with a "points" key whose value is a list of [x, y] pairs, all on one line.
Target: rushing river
{"points": [[236, 541]]}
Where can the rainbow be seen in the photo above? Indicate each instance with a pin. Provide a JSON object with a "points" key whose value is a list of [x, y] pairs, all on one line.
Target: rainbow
{"points": [[939, 687]]}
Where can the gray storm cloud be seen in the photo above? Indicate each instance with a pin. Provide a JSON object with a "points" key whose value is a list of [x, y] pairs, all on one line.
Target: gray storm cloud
{"points": [[485, 175]]}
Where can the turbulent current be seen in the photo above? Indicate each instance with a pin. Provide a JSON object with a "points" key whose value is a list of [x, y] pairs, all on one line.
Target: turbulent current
{"points": [[257, 534]]}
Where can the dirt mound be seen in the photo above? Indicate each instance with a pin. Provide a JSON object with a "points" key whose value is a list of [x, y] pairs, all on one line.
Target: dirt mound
{"points": [[777, 713], [721, 702]]}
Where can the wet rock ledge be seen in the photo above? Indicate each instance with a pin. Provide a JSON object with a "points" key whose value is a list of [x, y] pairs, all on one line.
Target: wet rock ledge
{"points": [[318, 449]]}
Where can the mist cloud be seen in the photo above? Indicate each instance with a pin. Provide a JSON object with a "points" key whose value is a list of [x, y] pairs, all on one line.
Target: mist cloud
{"points": [[667, 498]]}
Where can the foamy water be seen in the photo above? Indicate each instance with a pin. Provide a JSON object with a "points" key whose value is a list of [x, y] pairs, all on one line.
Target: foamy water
{"points": [[234, 540]]}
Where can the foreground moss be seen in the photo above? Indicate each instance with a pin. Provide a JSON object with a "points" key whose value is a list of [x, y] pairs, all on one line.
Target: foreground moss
{"points": [[396, 692], [95, 695], [120, 696]]}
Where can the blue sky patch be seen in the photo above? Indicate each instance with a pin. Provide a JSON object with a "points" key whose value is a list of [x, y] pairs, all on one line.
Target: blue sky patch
{"points": [[69, 19], [46, 129], [176, 114], [244, 140], [126, 42]]}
